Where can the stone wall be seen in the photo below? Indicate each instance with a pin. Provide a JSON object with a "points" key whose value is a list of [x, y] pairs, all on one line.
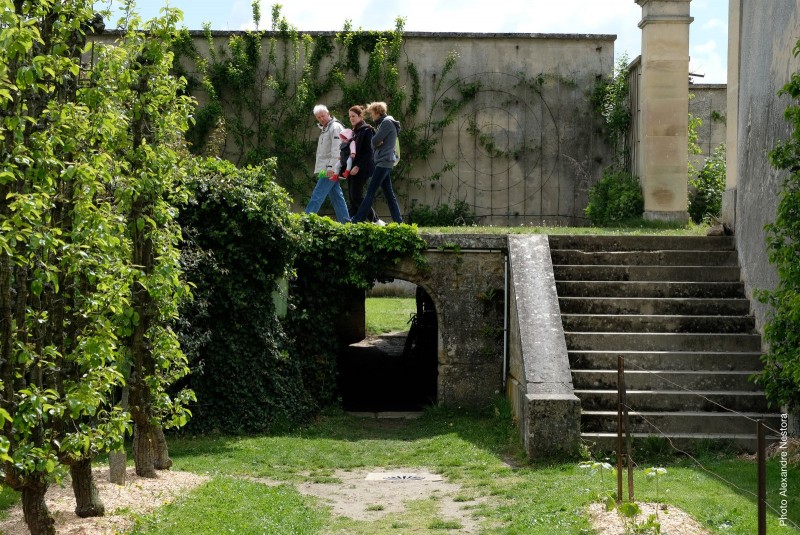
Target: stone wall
{"points": [[527, 146], [465, 280], [709, 103], [768, 35], [532, 106]]}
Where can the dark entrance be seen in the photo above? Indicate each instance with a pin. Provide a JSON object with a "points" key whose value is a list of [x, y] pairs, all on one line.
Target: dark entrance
{"points": [[396, 371]]}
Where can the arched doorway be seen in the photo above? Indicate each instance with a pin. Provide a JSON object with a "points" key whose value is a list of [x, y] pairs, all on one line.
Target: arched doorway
{"points": [[393, 371]]}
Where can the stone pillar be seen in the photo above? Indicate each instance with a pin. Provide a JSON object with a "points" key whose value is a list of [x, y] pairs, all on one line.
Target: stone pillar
{"points": [[665, 108], [732, 123]]}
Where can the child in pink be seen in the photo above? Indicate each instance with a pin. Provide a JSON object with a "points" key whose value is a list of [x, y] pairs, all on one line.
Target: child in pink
{"points": [[347, 151]]}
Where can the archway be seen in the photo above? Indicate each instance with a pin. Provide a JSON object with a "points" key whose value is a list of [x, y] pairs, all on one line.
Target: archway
{"points": [[393, 371]]}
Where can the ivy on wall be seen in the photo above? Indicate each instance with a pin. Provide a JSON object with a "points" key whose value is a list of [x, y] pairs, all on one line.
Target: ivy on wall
{"points": [[251, 370], [610, 101], [259, 87]]}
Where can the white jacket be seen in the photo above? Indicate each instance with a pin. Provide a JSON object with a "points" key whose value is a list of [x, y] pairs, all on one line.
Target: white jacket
{"points": [[328, 146]]}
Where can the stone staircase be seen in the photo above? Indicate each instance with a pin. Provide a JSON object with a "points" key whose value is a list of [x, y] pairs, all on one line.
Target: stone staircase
{"points": [[675, 309]]}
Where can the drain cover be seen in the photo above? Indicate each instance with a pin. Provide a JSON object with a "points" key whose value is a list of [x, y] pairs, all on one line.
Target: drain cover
{"points": [[395, 476], [404, 477]]}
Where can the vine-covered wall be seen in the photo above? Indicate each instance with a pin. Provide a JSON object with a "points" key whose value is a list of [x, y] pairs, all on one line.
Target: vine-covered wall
{"points": [[502, 122], [527, 144]]}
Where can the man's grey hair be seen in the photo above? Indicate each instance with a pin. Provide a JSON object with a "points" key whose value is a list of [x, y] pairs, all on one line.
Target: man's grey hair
{"points": [[320, 107]]}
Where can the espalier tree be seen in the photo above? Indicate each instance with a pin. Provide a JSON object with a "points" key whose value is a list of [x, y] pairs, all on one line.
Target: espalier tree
{"points": [[69, 275], [152, 168], [59, 260]]}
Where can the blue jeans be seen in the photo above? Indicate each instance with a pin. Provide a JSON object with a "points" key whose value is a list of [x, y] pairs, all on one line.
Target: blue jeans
{"points": [[332, 190], [381, 178]]}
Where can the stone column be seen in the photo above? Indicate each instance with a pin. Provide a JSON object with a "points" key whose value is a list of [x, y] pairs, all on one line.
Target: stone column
{"points": [[732, 123], [664, 105]]}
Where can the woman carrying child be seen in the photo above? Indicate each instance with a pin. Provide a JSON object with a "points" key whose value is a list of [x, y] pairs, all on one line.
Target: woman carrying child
{"points": [[363, 166]]}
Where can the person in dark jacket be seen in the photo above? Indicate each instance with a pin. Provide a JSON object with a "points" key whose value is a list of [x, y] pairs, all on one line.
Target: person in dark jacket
{"points": [[383, 143], [363, 165]]}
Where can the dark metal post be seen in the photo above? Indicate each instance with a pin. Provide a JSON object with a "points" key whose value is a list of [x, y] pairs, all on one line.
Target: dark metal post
{"points": [[628, 443], [762, 480], [620, 389]]}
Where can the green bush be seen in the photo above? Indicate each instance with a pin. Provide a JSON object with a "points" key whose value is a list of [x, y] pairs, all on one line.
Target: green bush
{"points": [[442, 216], [251, 370], [705, 195], [240, 239], [615, 198]]}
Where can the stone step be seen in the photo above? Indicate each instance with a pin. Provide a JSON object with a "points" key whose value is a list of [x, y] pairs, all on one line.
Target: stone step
{"points": [[666, 360], [713, 290], [680, 442], [646, 273], [620, 323], [649, 305], [680, 422], [641, 243], [644, 258], [669, 400], [663, 342], [691, 380]]}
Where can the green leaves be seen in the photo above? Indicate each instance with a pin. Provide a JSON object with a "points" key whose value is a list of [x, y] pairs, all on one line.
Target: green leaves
{"points": [[705, 196], [617, 196]]}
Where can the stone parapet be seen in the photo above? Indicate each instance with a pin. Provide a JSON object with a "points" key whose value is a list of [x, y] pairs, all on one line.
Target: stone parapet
{"points": [[540, 383]]}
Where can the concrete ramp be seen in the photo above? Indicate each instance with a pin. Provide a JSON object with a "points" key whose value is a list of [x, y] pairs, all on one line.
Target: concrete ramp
{"points": [[539, 381]]}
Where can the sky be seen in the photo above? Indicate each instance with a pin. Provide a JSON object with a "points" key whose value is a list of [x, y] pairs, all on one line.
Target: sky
{"points": [[708, 48]]}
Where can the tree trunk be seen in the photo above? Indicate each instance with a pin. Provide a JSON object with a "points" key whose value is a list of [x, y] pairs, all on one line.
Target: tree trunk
{"points": [[143, 450], [87, 500], [161, 458], [34, 508]]}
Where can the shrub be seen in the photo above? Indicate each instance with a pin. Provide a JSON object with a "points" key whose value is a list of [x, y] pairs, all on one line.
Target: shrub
{"points": [[240, 239], [705, 196], [442, 216], [615, 198]]}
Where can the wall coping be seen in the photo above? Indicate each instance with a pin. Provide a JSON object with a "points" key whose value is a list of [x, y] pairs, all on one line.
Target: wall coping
{"points": [[466, 241], [543, 346], [444, 35]]}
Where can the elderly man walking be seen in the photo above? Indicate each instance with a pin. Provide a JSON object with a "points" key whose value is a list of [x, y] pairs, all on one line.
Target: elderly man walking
{"points": [[327, 156]]}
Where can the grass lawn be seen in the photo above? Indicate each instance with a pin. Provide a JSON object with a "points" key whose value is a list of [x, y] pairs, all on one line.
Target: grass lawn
{"points": [[387, 314], [480, 452], [637, 227], [499, 491]]}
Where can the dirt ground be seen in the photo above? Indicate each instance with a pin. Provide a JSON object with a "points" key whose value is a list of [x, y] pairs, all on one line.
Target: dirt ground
{"points": [[672, 520], [355, 497], [140, 495]]}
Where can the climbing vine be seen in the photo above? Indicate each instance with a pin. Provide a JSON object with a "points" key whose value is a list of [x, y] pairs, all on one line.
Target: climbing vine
{"points": [[241, 240], [260, 97], [610, 100]]}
